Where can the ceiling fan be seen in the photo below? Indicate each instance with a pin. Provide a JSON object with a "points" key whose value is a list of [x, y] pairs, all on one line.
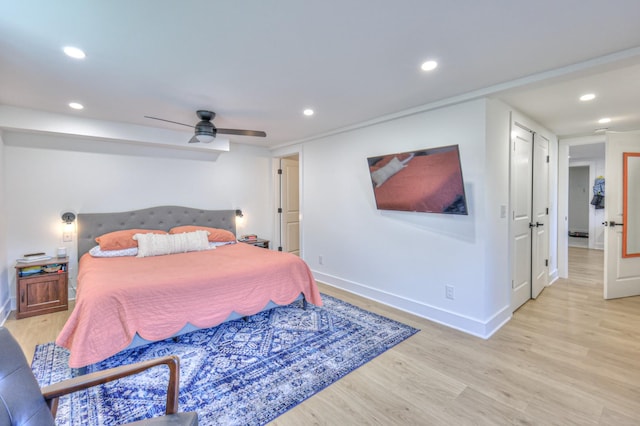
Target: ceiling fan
{"points": [[206, 132]]}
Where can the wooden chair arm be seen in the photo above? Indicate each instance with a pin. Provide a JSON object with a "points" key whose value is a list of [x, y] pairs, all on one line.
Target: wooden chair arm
{"points": [[52, 392]]}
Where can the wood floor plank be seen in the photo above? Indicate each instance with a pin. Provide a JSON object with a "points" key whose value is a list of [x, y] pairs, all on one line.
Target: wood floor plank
{"points": [[568, 357]]}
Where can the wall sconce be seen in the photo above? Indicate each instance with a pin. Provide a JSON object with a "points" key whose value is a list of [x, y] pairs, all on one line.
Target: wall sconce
{"points": [[67, 232], [239, 217], [68, 218]]}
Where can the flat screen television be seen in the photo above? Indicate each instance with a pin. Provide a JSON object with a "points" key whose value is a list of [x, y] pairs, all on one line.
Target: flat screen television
{"points": [[427, 180]]}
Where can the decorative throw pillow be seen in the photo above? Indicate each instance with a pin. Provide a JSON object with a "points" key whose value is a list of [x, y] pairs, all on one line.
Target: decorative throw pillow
{"points": [[381, 175], [98, 252], [159, 244], [215, 234], [119, 240]]}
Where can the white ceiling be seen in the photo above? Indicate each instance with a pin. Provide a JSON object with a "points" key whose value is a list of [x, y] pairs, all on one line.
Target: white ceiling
{"points": [[258, 63]]}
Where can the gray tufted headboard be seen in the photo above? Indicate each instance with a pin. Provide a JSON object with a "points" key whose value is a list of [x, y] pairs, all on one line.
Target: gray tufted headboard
{"points": [[92, 225]]}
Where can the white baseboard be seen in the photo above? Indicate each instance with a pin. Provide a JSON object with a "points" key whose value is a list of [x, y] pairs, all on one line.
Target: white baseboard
{"points": [[473, 326]]}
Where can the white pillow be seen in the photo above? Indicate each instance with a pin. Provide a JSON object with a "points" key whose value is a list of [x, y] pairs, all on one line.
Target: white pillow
{"points": [[381, 175], [214, 244], [159, 244], [97, 252]]}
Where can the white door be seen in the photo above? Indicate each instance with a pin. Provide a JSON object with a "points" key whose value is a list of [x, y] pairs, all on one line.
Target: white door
{"points": [[540, 214], [290, 191], [621, 275], [521, 204]]}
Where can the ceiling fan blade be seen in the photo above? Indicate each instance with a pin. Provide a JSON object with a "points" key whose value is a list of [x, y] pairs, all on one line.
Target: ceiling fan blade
{"points": [[168, 121], [258, 133], [194, 139]]}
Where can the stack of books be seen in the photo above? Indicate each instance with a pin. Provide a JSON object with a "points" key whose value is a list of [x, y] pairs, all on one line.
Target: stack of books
{"points": [[30, 270], [33, 257]]}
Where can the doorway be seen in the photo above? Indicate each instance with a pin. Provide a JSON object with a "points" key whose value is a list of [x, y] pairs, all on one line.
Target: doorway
{"points": [[579, 152], [579, 206]]}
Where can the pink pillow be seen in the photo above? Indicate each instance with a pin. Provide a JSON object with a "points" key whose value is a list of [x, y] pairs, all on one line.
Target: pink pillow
{"points": [[118, 240], [215, 234]]}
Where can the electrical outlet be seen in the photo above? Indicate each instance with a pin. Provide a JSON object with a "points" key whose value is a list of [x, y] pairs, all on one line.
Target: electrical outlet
{"points": [[320, 260], [67, 237], [448, 290]]}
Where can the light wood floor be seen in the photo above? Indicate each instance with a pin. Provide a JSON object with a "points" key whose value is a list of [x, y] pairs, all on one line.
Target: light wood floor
{"points": [[567, 358]]}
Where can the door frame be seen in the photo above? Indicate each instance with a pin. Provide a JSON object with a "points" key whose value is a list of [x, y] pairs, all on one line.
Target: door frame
{"points": [[563, 197]]}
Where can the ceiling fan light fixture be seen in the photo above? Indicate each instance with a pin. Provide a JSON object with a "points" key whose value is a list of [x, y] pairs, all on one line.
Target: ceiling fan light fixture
{"points": [[205, 138]]}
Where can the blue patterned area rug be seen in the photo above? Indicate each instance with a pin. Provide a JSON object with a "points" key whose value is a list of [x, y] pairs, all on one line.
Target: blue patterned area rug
{"points": [[238, 373]]}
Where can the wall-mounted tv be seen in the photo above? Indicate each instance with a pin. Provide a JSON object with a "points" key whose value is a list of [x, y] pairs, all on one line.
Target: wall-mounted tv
{"points": [[427, 180]]}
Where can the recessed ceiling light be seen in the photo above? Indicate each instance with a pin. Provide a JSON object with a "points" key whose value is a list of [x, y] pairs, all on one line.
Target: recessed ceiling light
{"points": [[308, 112], [74, 52], [76, 105], [587, 97], [429, 65], [604, 120]]}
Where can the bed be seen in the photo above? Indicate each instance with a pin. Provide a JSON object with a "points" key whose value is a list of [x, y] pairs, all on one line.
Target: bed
{"points": [[426, 183], [127, 301]]}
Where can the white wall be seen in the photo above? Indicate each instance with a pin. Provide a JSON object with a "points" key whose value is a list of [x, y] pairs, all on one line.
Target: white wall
{"points": [[405, 259], [44, 183], [498, 275], [5, 306]]}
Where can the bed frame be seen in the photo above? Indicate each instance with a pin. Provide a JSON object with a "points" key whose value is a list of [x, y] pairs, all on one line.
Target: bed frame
{"points": [[92, 225]]}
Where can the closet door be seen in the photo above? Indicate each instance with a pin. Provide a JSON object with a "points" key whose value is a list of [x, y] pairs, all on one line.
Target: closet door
{"points": [[540, 215], [530, 214], [521, 218]]}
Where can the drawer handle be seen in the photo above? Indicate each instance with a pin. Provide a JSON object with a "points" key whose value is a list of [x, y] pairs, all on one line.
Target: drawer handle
{"points": [[22, 296]]}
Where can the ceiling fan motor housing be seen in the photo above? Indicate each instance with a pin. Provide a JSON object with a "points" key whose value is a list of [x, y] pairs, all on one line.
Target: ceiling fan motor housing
{"points": [[205, 128]]}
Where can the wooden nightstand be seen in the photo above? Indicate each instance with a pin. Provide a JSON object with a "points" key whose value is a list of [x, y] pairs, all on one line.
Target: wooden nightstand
{"points": [[259, 242], [44, 292]]}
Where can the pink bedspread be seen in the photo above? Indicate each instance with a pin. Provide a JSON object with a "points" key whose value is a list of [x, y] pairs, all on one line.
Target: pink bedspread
{"points": [[157, 296]]}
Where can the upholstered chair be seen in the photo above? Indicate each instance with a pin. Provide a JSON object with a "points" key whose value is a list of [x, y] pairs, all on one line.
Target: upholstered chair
{"points": [[24, 403]]}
